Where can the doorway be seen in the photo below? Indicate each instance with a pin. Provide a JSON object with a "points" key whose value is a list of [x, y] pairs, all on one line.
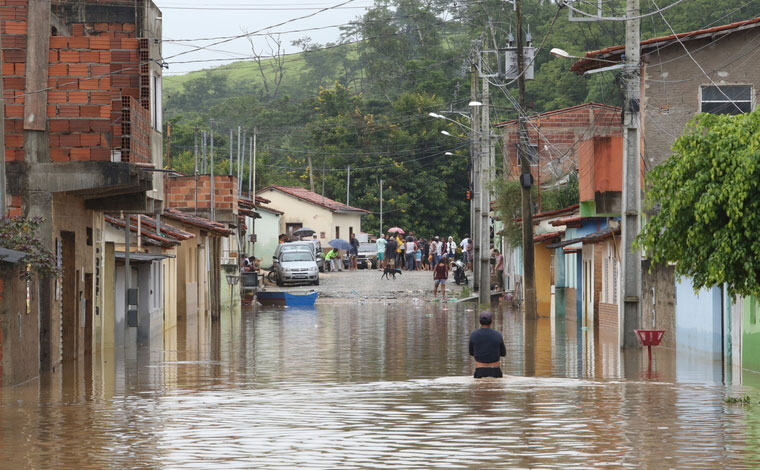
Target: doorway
{"points": [[70, 319]]}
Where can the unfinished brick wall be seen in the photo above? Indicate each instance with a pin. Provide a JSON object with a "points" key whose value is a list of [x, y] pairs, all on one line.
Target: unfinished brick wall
{"points": [[13, 14], [180, 192], [561, 133]]}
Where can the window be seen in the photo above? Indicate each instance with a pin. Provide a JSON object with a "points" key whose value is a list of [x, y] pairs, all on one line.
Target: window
{"points": [[290, 228], [532, 154], [337, 232], [350, 232], [731, 99], [321, 234], [156, 105]]}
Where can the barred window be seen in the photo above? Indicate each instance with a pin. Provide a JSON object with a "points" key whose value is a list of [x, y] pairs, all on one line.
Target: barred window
{"points": [[727, 99]]}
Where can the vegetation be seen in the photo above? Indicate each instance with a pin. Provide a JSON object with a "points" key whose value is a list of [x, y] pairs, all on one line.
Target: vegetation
{"points": [[19, 233], [706, 203], [364, 101]]}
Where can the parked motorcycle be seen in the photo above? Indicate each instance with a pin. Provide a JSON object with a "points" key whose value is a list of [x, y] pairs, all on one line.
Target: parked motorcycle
{"points": [[460, 272]]}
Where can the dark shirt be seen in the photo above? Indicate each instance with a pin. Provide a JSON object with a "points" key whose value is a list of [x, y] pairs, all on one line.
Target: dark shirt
{"points": [[390, 248], [441, 271], [487, 345]]}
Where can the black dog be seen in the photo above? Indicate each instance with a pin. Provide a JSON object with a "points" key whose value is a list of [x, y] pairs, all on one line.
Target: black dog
{"points": [[389, 271]]}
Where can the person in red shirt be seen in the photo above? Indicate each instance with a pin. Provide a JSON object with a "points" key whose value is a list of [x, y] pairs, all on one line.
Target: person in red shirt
{"points": [[440, 274]]}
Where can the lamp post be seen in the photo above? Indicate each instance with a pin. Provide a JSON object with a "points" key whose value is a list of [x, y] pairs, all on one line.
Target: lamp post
{"points": [[480, 203]]}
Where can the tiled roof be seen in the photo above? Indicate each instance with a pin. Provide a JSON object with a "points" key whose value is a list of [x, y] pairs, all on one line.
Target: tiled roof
{"points": [[314, 198], [196, 221], [556, 212], [165, 240], [588, 62], [547, 236], [569, 109]]}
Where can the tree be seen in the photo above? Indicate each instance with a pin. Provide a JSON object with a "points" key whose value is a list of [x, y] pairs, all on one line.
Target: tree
{"points": [[706, 199], [19, 233]]}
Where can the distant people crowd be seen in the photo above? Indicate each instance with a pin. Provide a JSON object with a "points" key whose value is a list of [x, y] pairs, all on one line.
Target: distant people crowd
{"points": [[410, 253]]}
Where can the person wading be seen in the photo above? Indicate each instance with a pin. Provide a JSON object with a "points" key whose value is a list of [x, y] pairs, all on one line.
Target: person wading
{"points": [[487, 346]]}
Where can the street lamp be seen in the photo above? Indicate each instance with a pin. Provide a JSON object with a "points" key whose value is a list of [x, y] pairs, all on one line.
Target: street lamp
{"points": [[563, 54]]}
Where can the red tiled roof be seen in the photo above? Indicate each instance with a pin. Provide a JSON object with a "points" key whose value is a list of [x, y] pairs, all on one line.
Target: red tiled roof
{"points": [[247, 204], [548, 236], [588, 62], [540, 215], [314, 198], [196, 221], [566, 221], [590, 104], [165, 240]]}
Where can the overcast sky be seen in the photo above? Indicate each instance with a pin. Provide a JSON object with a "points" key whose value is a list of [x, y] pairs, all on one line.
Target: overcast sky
{"points": [[191, 20]]}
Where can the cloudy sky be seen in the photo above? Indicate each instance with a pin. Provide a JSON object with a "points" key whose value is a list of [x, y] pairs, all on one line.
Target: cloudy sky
{"points": [[190, 24]]}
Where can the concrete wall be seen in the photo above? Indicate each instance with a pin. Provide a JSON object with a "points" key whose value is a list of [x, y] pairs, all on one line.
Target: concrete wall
{"points": [[19, 328], [750, 347], [543, 260], [671, 92], [267, 229], [698, 320]]}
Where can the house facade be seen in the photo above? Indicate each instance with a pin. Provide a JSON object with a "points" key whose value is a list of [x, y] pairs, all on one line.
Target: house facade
{"points": [[82, 124], [303, 208], [681, 75]]}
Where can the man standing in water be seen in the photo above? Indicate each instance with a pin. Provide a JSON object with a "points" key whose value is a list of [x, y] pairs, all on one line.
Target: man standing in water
{"points": [[487, 346]]}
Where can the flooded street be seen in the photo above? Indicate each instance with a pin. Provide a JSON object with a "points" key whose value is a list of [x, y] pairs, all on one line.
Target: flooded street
{"points": [[388, 386]]}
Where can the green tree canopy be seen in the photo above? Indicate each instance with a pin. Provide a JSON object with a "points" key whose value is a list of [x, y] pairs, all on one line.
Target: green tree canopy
{"points": [[706, 199]]}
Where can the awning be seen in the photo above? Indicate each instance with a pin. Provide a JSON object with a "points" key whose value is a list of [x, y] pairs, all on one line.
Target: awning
{"points": [[142, 257], [11, 256]]}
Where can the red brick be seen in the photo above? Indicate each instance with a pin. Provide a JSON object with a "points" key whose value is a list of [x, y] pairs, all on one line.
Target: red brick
{"points": [[100, 125], [68, 111], [79, 70], [14, 55], [71, 140], [88, 84], [14, 111], [101, 154], [80, 154], [89, 140], [89, 111], [99, 70], [56, 96], [59, 155], [59, 42], [80, 125], [52, 56], [69, 56], [14, 140], [100, 97], [15, 212], [79, 42], [129, 27], [8, 69], [54, 140], [14, 155], [77, 29], [101, 26], [89, 56], [78, 97], [58, 70], [66, 84], [105, 57], [15, 27], [129, 43], [100, 43], [104, 83]]}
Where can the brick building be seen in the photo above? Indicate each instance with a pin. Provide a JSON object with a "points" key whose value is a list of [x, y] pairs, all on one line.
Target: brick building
{"points": [[82, 120], [554, 137]]}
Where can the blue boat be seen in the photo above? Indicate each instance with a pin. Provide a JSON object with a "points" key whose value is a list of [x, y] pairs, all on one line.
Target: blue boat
{"points": [[281, 299]]}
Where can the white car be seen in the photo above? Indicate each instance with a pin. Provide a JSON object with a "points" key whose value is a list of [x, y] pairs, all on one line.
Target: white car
{"points": [[297, 267]]}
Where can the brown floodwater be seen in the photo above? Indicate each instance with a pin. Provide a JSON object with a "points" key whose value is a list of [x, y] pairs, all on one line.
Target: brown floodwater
{"points": [[373, 386]]}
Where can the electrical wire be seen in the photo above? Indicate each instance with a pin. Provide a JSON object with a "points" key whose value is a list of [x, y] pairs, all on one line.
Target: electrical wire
{"points": [[568, 4]]}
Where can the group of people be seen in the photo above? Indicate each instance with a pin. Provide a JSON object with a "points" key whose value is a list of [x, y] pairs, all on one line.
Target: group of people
{"points": [[410, 253]]}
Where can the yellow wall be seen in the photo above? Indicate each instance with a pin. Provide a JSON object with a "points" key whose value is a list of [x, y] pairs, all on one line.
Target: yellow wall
{"points": [[312, 216], [169, 278], [543, 257]]}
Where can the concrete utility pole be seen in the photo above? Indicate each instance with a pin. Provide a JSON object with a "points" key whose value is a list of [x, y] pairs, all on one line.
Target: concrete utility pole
{"points": [[3, 204], [631, 178], [475, 176], [231, 161], [526, 180], [195, 171], [348, 185], [211, 162], [485, 197], [381, 206]]}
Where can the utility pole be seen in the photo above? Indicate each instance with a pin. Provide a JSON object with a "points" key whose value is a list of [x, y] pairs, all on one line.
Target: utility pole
{"points": [[526, 180], [485, 197], [231, 164], [381, 206], [252, 185], [195, 171], [631, 178], [348, 185], [475, 177], [204, 152], [238, 156], [211, 162]]}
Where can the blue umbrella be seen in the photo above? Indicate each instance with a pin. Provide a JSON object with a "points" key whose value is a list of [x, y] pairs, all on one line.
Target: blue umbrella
{"points": [[339, 244]]}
